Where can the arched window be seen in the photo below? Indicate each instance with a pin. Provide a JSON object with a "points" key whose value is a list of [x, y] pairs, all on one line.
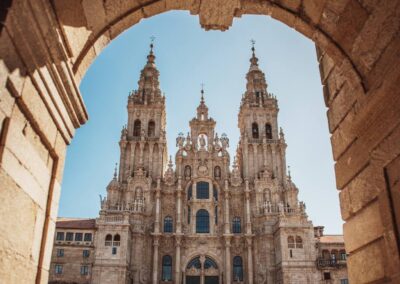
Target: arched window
{"points": [[254, 130], [290, 241], [137, 127], [189, 192], [268, 131], [299, 242], [166, 268], [325, 254], [108, 240], [195, 262], [217, 172], [237, 269], [202, 191], [168, 227], [151, 129], [202, 221], [236, 225], [188, 215], [208, 263], [117, 240], [215, 193]]}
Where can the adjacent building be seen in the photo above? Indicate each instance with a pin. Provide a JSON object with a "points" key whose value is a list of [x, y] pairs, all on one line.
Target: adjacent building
{"points": [[202, 217]]}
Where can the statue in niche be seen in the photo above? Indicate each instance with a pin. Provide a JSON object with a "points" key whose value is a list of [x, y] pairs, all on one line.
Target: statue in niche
{"points": [[217, 172], [188, 172], [202, 142]]}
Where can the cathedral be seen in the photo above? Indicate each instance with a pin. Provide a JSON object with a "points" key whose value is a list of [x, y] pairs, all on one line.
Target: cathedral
{"points": [[201, 216]]}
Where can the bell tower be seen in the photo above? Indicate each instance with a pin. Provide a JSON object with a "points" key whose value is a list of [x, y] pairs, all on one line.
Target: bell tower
{"points": [[262, 146], [143, 143]]}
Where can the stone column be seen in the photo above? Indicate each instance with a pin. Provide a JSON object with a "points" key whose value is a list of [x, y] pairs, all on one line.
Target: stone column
{"points": [[245, 160], [226, 211], [178, 241], [228, 266], [156, 244], [151, 149], [247, 207], [156, 233], [249, 259], [273, 160]]}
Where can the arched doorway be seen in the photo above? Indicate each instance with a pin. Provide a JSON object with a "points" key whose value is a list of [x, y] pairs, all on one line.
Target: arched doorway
{"points": [[45, 53], [202, 270]]}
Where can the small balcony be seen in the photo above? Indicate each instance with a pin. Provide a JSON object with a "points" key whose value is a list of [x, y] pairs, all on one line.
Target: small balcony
{"points": [[330, 263]]}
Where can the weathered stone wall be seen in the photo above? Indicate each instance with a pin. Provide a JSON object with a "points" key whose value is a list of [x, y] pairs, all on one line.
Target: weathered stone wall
{"points": [[46, 47]]}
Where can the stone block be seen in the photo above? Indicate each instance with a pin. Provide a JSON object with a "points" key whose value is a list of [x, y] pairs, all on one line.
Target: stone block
{"points": [[363, 228], [349, 24], [16, 230], [313, 10], [366, 265]]}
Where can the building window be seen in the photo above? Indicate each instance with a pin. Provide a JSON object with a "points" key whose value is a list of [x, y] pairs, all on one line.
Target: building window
{"points": [[114, 250], [137, 127], [108, 240], [151, 130], [236, 225], [237, 269], [168, 226], [327, 276], [88, 237], [58, 269], [326, 254], [299, 242], [69, 237], [290, 241], [268, 131], [344, 281], [86, 253], [343, 255], [202, 191], [202, 221], [78, 237], [254, 130], [188, 215], [60, 252], [117, 240], [291, 253], [189, 192], [167, 268], [195, 262], [84, 270], [208, 263], [60, 236]]}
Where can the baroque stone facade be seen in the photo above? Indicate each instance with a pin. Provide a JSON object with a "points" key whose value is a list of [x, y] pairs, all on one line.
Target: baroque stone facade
{"points": [[203, 221]]}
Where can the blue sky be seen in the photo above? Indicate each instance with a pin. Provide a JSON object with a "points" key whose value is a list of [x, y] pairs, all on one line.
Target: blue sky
{"points": [[186, 57]]}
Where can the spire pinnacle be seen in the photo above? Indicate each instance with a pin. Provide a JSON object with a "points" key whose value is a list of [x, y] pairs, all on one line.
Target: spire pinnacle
{"points": [[115, 171], [202, 93], [151, 57], [253, 42]]}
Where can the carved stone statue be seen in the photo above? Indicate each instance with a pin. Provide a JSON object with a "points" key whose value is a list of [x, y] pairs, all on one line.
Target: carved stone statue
{"points": [[202, 141]]}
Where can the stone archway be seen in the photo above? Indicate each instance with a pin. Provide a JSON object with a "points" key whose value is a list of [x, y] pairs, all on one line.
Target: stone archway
{"points": [[47, 46]]}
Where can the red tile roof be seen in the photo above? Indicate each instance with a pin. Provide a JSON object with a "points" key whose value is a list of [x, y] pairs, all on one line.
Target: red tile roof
{"points": [[75, 223], [331, 239]]}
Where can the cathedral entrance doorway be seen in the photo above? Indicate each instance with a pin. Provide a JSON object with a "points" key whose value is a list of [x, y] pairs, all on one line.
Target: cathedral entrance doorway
{"points": [[202, 270]]}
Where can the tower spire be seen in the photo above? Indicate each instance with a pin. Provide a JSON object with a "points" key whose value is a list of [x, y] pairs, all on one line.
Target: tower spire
{"points": [[202, 93], [253, 59], [151, 56]]}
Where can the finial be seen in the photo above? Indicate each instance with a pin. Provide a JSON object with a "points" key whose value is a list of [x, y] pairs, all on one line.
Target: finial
{"points": [[202, 92], [253, 42], [152, 38], [115, 171]]}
